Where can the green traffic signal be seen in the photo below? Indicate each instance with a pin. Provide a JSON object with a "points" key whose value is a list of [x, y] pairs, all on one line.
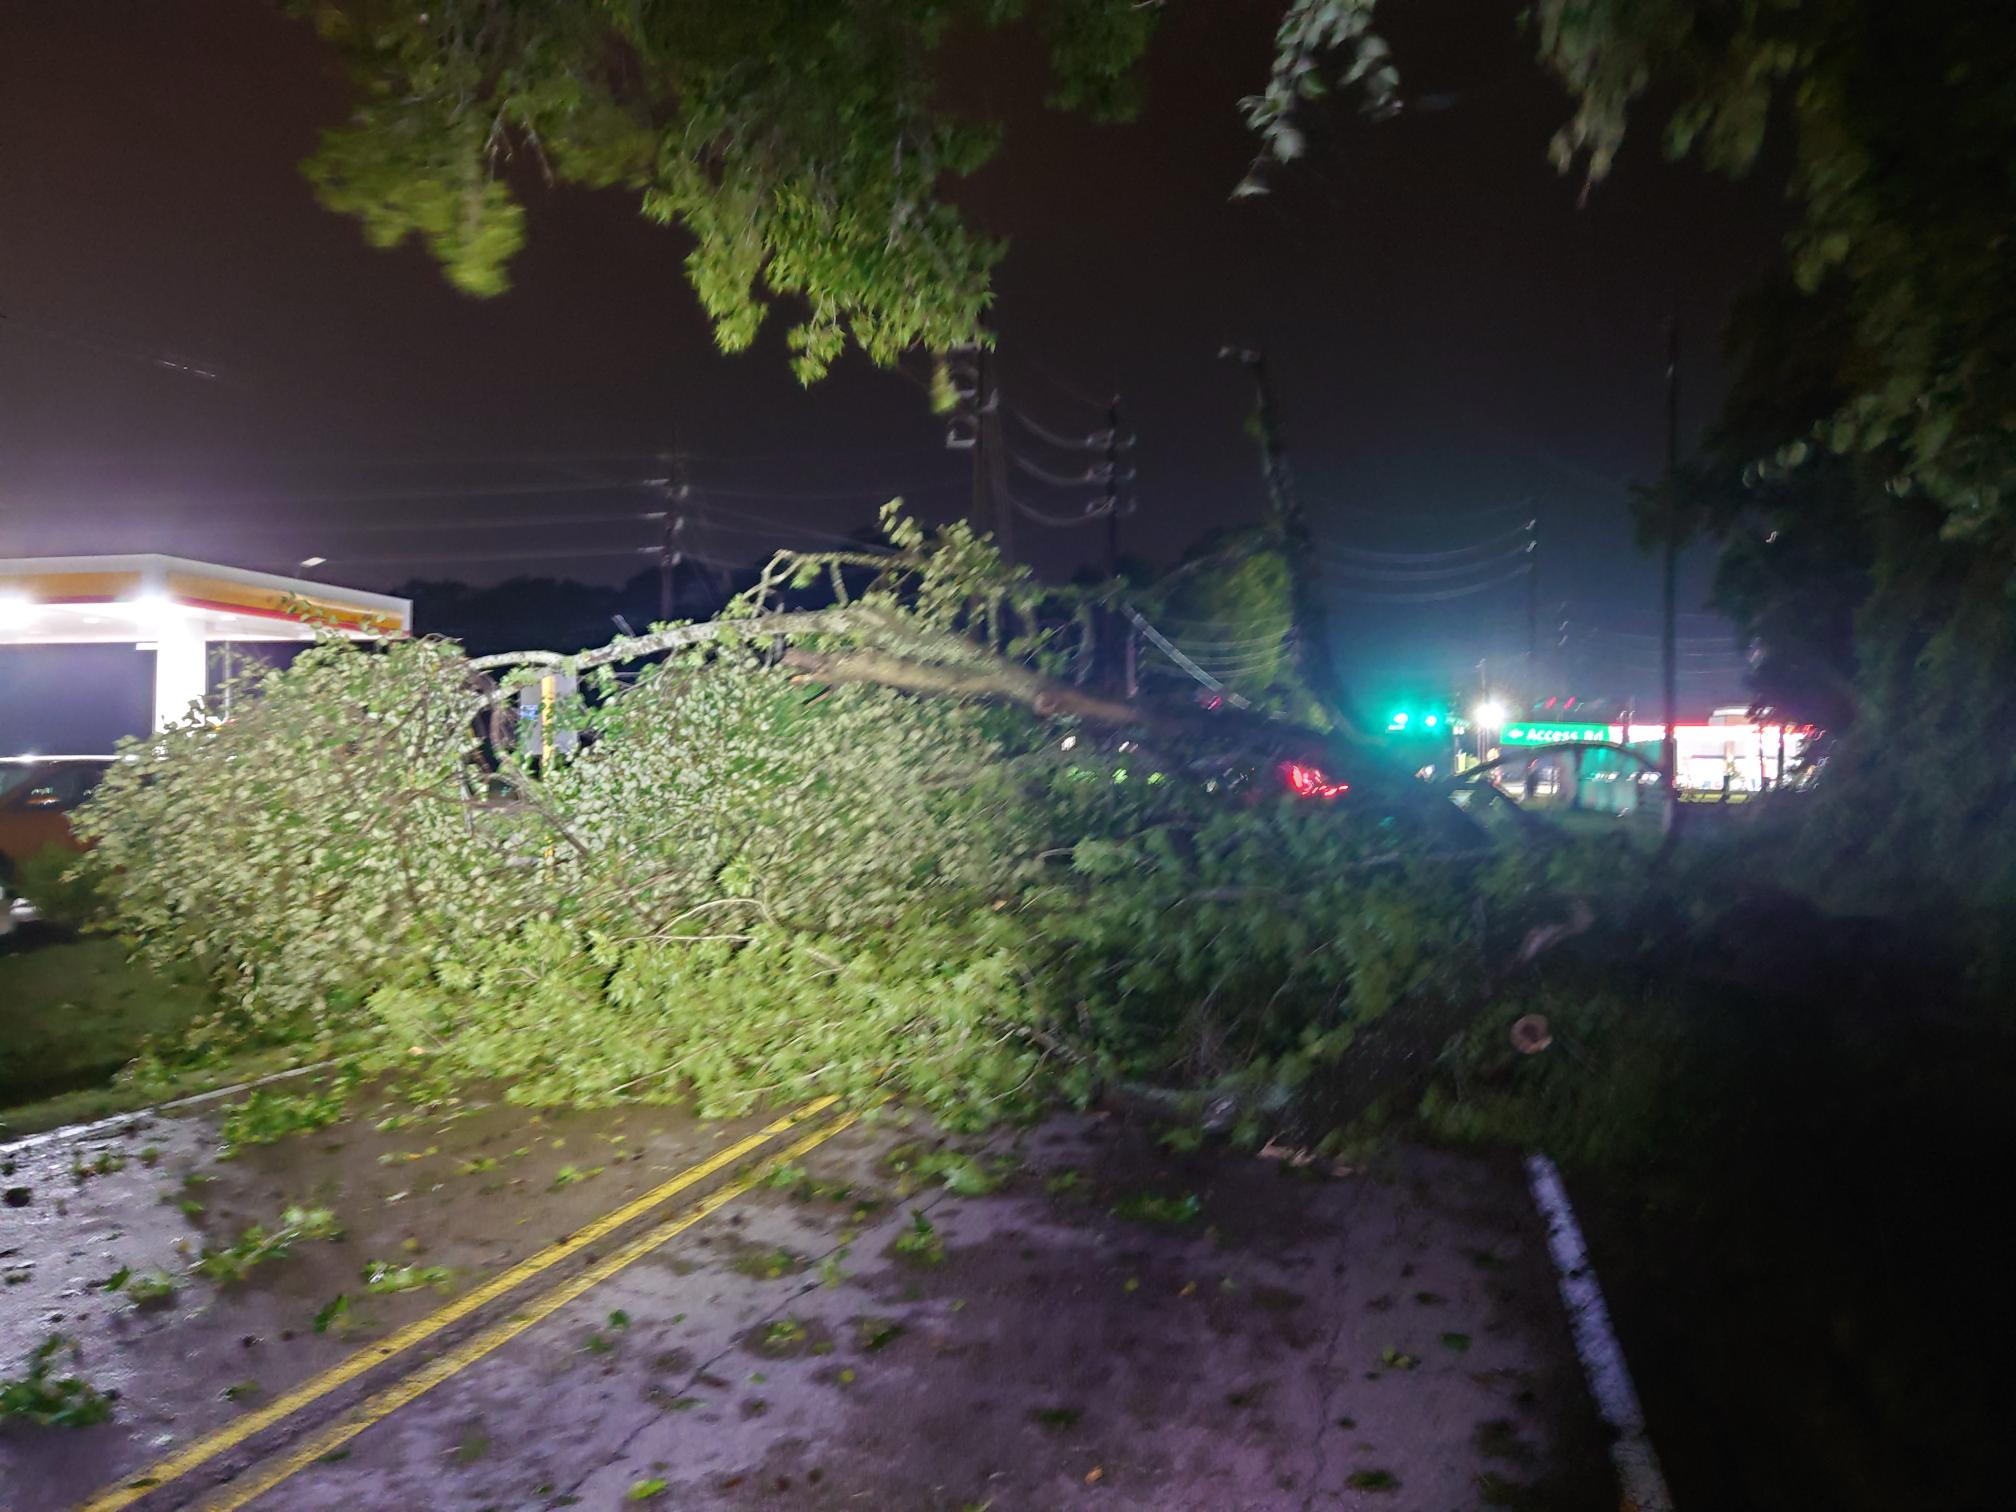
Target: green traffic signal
{"points": [[1413, 722]]}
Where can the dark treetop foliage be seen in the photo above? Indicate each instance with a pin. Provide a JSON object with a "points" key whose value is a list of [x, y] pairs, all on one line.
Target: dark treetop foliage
{"points": [[806, 148]]}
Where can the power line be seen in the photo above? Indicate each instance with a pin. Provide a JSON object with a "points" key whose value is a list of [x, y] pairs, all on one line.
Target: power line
{"points": [[1162, 644], [713, 521], [423, 494], [655, 456], [1235, 670], [996, 476], [1091, 474], [553, 553], [492, 522], [1582, 628], [1096, 511], [1063, 386], [1427, 575], [1259, 650], [1090, 441], [1488, 543], [1411, 517], [1226, 646], [878, 493], [71, 337], [1434, 598]]}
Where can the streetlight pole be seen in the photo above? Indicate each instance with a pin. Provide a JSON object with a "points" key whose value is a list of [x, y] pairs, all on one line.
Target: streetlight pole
{"points": [[1669, 756]]}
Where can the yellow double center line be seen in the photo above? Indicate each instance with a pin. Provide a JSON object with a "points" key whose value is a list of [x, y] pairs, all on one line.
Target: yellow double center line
{"points": [[133, 1488]]}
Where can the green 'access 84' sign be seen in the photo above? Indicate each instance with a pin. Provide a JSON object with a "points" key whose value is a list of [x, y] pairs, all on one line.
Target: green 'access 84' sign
{"points": [[1523, 734]]}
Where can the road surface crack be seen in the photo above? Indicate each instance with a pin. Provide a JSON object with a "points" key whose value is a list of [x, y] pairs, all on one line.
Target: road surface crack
{"points": [[1319, 1454]]}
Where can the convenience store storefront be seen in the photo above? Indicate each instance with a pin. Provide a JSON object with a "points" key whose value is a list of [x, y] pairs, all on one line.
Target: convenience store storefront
{"points": [[1728, 756]]}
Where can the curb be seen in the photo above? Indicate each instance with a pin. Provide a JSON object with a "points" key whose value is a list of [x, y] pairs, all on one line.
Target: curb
{"points": [[1640, 1483], [121, 1120]]}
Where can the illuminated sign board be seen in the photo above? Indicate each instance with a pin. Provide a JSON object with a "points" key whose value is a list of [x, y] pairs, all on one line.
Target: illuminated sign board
{"points": [[1527, 734]]}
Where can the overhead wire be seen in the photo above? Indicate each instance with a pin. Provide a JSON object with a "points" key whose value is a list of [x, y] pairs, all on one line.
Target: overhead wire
{"points": [[1063, 386], [396, 527], [880, 493], [1433, 598], [1091, 475], [1095, 511], [1255, 651], [1488, 543], [1426, 575], [1229, 646], [1234, 671], [653, 455], [73, 337], [423, 493], [1162, 643], [1489, 511], [715, 522], [1599, 632], [1685, 661], [998, 483], [764, 527], [551, 553], [1090, 441]]}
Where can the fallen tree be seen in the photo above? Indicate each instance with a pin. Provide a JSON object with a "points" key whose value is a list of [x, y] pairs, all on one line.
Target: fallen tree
{"points": [[884, 842]]}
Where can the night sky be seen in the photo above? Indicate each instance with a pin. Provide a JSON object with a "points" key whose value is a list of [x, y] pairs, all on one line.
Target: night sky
{"points": [[1456, 345]]}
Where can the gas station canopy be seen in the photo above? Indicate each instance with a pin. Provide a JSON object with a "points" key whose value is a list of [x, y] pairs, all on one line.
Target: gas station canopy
{"points": [[177, 608]]}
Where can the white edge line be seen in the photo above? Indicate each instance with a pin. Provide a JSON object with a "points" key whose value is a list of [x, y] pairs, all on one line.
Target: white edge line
{"points": [[1638, 1476], [121, 1120]]}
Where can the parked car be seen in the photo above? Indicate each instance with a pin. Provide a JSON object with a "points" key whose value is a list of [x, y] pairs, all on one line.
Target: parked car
{"points": [[37, 795]]}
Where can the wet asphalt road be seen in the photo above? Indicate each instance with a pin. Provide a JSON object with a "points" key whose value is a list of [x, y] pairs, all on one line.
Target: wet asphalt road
{"points": [[844, 1336]]}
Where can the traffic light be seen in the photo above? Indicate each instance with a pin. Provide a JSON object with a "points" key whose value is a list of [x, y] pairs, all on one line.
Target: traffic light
{"points": [[1416, 721]]}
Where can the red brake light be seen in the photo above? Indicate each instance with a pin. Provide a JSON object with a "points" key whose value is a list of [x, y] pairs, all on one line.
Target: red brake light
{"points": [[1311, 782]]}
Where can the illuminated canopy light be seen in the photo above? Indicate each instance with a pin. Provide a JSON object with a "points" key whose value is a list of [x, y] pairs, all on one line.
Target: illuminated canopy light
{"points": [[142, 598]]}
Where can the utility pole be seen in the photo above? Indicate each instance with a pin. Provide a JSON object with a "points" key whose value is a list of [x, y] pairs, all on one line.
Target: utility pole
{"points": [[1312, 622], [1669, 755], [966, 430], [1532, 607], [993, 505], [1130, 644], [1113, 488], [672, 532]]}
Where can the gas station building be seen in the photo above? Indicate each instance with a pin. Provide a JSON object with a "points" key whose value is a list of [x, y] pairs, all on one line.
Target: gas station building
{"points": [[173, 609]]}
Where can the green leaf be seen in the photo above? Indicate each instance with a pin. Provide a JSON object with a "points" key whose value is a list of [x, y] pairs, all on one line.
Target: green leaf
{"points": [[331, 1312]]}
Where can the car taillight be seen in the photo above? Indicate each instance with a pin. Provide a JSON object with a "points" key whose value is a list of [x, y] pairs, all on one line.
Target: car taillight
{"points": [[1311, 782]]}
